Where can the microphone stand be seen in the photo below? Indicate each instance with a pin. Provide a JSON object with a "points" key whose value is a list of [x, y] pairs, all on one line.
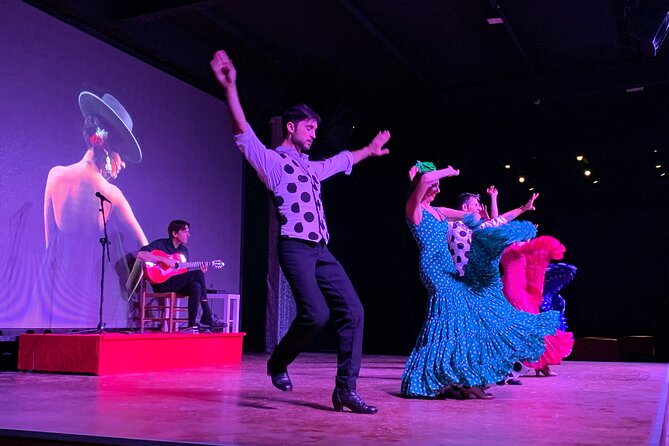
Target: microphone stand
{"points": [[104, 243]]}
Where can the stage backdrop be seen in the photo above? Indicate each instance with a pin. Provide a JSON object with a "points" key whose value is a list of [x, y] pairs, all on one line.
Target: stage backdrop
{"points": [[50, 255]]}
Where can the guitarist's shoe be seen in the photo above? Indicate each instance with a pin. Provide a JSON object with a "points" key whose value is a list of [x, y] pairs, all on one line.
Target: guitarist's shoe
{"points": [[212, 321]]}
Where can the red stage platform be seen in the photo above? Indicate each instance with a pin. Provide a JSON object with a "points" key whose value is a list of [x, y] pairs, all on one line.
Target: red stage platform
{"points": [[111, 353]]}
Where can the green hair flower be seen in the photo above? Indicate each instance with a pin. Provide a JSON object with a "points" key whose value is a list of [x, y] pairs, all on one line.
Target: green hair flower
{"points": [[425, 167]]}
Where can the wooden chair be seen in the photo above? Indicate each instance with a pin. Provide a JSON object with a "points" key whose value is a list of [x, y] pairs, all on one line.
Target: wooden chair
{"points": [[164, 309]]}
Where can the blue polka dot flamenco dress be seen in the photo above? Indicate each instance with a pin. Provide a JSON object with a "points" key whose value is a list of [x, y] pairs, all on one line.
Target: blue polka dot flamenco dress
{"points": [[471, 335]]}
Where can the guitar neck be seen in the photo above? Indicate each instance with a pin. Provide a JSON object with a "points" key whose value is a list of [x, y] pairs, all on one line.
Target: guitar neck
{"points": [[194, 264]]}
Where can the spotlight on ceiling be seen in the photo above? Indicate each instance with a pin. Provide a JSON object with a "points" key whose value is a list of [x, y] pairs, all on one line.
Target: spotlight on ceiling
{"points": [[595, 182], [658, 166], [587, 173], [521, 179], [507, 166], [579, 158]]}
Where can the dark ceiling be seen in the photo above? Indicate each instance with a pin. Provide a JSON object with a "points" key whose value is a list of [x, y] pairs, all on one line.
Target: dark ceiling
{"points": [[546, 74], [387, 49]]}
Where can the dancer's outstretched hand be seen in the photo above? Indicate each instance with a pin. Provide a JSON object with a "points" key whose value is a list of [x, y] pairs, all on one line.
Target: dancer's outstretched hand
{"points": [[376, 147], [451, 171], [223, 68], [412, 172], [492, 191], [484, 213], [529, 206]]}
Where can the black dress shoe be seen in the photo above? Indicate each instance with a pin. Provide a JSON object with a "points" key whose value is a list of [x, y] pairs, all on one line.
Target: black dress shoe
{"points": [[280, 380], [351, 399], [212, 321]]}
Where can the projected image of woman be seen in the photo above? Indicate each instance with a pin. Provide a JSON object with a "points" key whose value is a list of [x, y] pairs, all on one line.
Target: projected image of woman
{"points": [[68, 291], [70, 204]]}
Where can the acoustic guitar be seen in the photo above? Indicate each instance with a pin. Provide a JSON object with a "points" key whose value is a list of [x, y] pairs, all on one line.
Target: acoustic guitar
{"points": [[158, 272]]}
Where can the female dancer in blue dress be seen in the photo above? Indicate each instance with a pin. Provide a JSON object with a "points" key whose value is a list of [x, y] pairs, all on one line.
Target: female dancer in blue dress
{"points": [[471, 336]]}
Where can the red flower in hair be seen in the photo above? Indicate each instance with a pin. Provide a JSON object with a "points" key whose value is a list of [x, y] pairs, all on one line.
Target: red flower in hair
{"points": [[98, 138]]}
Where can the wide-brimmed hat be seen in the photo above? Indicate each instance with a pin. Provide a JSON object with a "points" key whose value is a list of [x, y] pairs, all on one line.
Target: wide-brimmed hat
{"points": [[111, 110]]}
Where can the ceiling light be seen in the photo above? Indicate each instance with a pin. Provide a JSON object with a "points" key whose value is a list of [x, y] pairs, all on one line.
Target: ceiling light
{"points": [[595, 182], [507, 166], [579, 158], [587, 173], [634, 89], [658, 166], [521, 179], [495, 20]]}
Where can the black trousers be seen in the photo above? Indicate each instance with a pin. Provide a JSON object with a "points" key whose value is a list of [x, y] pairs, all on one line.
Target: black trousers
{"points": [[190, 284], [322, 292]]}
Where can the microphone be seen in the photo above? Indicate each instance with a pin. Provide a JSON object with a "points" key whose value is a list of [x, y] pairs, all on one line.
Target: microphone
{"points": [[102, 197]]}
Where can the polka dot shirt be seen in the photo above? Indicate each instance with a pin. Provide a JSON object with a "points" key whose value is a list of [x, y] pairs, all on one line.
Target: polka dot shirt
{"points": [[295, 183], [460, 241]]}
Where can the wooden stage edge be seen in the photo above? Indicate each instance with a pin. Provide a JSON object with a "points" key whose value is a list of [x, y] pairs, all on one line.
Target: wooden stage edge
{"points": [[588, 403], [111, 353]]}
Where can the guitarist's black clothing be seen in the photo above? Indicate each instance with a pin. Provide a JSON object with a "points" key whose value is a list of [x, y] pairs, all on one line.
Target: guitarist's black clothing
{"points": [[190, 284]]}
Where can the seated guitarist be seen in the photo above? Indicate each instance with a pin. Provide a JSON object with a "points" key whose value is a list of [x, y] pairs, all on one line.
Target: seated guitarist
{"points": [[190, 283]]}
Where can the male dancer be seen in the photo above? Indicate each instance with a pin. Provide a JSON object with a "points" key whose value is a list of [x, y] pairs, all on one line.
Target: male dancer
{"points": [[460, 236], [320, 285]]}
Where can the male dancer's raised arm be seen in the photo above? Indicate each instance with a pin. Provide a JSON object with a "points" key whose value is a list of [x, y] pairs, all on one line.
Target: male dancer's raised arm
{"points": [[226, 74], [494, 210]]}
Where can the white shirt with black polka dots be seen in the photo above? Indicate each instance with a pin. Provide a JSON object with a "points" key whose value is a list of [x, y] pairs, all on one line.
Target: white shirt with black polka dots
{"points": [[460, 241], [296, 184]]}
